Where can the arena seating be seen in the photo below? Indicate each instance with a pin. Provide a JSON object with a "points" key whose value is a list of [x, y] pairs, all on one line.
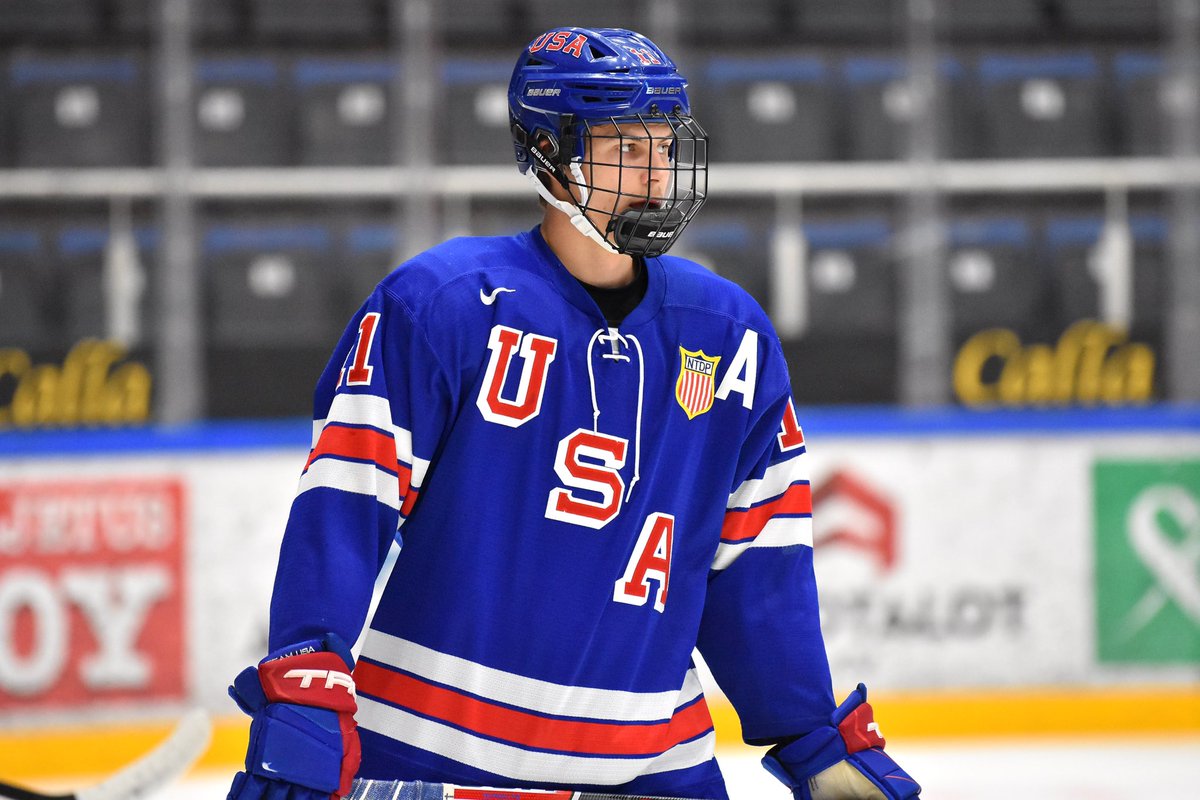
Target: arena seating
{"points": [[987, 20], [498, 217], [768, 108], [879, 107], [243, 115], [1138, 97], [345, 110], [212, 20], [1041, 104], [77, 110], [50, 20], [541, 15], [475, 127], [1071, 240], [1121, 19], [282, 83], [27, 288], [734, 241], [81, 253], [270, 281], [724, 22], [849, 20], [993, 275], [851, 275], [367, 250], [828, 370], [323, 22], [494, 22]]}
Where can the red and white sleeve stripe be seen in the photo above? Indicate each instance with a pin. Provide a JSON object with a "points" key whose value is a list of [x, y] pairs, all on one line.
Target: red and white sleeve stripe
{"points": [[772, 511], [358, 449]]}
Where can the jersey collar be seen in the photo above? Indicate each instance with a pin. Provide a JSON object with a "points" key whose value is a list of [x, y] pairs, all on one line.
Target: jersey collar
{"points": [[574, 293]]}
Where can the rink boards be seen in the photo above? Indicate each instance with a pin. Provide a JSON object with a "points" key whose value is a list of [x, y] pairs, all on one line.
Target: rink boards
{"points": [[985, 574]]}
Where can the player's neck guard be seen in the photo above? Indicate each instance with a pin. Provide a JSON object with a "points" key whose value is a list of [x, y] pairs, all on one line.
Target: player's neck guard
{"points": [[573, 212]]}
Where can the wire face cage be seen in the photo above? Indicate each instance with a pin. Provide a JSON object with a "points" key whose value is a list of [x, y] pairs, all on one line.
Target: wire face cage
{"points": [[638, 179]]}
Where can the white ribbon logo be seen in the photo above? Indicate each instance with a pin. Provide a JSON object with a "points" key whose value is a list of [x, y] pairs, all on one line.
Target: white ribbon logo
{"points": [[1175, 565]]}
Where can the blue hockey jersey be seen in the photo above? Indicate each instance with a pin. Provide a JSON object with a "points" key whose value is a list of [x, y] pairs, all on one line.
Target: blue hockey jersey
{"points": [[537, 517]]}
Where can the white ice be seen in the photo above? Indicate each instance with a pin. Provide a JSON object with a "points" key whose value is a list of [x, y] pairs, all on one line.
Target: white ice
{"points": [[1103, 769]]}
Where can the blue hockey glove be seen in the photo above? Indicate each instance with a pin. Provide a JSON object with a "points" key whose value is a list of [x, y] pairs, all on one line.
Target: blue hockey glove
{"points": [[844, 761], [303, 739]]}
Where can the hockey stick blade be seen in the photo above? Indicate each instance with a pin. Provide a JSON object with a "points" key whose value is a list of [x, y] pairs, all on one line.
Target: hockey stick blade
{"points": [[143, 777], [417, 790]]}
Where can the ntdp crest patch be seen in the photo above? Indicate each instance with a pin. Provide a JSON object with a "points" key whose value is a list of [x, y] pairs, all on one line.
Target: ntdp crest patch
{"points": [[696, 384]]}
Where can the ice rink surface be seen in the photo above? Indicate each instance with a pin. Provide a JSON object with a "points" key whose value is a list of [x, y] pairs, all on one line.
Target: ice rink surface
{"points": [[1104, 769]]}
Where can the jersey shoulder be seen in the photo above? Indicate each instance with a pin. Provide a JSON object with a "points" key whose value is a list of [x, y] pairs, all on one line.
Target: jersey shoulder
{"points": [[692, 286], [422, 278]]}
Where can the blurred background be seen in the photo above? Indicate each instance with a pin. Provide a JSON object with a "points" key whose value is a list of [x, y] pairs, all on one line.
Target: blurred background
{"points": [[975, 224]]}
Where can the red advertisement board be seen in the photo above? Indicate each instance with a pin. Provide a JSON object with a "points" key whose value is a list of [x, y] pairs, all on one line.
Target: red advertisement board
{"points": [[92, 606]]}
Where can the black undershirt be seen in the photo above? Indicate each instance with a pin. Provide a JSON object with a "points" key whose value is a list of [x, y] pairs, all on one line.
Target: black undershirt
{"points": [[616, 303]]}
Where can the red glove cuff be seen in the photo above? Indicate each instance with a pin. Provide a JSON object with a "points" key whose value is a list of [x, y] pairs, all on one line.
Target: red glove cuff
{"points": [[318, 679], [859, 730]]}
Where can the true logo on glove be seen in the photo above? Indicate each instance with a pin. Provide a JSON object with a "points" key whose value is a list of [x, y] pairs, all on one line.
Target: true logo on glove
{"points": [[331, 677], [860, 731]]}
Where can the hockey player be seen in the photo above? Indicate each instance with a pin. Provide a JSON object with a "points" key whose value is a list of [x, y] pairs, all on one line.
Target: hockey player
{"points": [[545, 467]]}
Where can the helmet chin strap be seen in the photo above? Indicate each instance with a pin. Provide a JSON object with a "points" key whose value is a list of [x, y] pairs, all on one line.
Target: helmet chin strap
{"points": [[574, 214]]}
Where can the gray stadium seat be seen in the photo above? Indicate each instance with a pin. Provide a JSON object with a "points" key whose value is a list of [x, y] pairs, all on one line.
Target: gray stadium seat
{"points": [[243, 115], [746, 21], [838, 369], [1138, 79], [546, 14], [858, 21], [82, 251], [735, 243], [988, 20], [78, 110], [1070, 241], [879, 108], [81, 258], [768, 108], [503, 217], [493, 21], [276, 307], [850, 276], [476, 127], [367, 255], [1151, 259], [323, 21], [993, 276], [27, 288], [1122, 18], [49, 20], [270, 283], [212, 20], [1040, 105], [6, 116], [344, 110]]}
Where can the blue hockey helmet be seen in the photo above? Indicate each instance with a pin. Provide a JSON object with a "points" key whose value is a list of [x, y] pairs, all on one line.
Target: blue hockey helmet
{"points": [[573, 86]]}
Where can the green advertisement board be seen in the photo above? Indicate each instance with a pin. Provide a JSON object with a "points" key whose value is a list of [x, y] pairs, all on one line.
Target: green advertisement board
{"points": [[1147, 539]]}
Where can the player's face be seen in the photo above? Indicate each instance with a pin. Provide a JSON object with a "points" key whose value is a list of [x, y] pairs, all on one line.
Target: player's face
{"points": [[628, 166]]}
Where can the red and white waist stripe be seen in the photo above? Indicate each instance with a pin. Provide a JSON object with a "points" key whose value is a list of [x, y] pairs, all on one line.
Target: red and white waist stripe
{"points": [[524, 728]]}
